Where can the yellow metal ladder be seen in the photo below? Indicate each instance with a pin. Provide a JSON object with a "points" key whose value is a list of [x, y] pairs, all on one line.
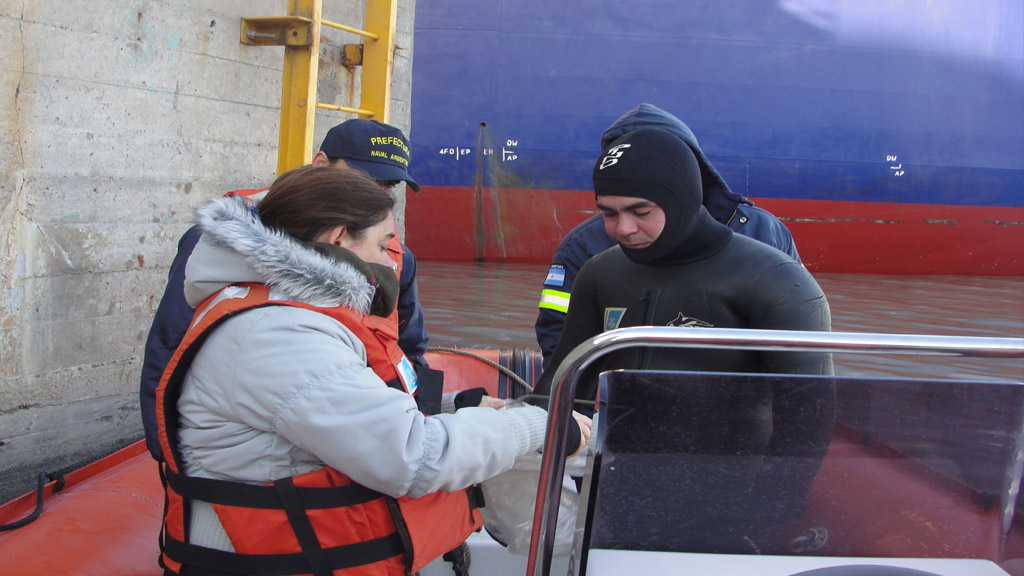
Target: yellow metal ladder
{"points": [[299, 33]]}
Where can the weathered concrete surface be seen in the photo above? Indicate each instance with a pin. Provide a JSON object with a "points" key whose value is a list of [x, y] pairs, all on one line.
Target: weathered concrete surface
{"points": [[117, 120]]}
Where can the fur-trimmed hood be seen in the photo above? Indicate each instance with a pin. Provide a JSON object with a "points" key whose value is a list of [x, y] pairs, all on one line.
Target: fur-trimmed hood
{"points": [[236, 247]]}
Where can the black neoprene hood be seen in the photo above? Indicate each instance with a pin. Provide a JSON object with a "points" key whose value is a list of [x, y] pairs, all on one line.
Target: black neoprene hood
{"points": [[656, 165]]}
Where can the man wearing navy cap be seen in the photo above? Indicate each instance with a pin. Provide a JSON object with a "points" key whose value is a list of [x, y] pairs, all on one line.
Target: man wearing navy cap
{"points": [[378, 149], [381, 151]]}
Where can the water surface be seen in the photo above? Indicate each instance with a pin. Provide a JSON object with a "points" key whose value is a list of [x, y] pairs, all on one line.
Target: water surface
{"points": [[491, 305]]}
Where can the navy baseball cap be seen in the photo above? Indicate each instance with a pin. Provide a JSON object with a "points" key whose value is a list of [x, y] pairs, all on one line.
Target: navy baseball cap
{"points": [[378, 149]]}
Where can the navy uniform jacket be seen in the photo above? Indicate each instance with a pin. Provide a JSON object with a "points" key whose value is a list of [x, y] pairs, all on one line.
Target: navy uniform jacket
{"points": [[174, 314]]}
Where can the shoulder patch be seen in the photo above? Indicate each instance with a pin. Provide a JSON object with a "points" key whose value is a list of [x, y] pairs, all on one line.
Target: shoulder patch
{"points": [[407, 374], [556, 276], [612, 318]]}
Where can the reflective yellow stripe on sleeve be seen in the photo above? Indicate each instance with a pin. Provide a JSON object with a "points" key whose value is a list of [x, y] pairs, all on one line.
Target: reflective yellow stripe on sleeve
{"points": [[554, 300]]}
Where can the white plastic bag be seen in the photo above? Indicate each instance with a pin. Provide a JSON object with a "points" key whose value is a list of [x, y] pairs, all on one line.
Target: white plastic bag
{"points": [[510, 498]]}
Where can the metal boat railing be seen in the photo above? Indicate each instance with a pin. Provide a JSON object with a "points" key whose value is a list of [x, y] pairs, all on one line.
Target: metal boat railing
{"points": [[563, 390]]}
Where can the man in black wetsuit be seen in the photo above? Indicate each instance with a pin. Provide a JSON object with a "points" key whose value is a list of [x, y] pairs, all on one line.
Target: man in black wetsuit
{"points": [[675, 265], [589, 238]]}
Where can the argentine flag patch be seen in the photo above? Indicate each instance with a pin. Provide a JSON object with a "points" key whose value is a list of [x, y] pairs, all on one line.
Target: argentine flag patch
{"points": [[556, 276]]}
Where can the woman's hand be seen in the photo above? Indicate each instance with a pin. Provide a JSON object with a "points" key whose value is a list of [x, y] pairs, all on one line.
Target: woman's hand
{"points": [[491, 402], [585, 425]]}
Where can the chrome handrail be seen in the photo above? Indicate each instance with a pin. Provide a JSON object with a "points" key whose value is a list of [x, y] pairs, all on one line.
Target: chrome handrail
{"points": [[563, 388]]}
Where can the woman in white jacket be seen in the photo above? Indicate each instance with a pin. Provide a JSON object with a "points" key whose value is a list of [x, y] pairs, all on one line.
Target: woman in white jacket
{"points": [[283, 390]]}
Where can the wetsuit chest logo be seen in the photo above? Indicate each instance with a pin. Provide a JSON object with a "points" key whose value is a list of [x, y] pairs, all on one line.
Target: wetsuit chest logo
{"points": [[612, 318], [687, 322]]}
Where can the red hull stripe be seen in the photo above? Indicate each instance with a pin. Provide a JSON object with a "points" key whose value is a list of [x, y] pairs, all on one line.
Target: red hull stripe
{"points": [[521, 225]]}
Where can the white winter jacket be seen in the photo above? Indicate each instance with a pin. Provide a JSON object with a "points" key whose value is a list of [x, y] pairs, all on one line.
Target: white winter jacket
{"points": [[279, 391]]}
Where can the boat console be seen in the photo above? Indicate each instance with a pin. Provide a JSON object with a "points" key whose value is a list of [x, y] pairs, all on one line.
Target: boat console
{"points": [[691, 473]]}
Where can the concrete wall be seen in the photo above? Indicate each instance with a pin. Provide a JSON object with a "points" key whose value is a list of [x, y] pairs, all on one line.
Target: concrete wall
{"points": [[118, 119]]}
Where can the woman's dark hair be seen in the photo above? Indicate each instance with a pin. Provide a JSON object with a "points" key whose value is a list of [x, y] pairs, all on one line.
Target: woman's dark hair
{"points": [[309, 200]]}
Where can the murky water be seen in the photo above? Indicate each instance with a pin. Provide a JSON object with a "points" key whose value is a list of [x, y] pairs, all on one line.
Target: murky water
{"points": [[490, 305]]}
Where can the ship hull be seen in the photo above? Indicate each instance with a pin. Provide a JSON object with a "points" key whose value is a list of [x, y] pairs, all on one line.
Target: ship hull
{"points": [[889, 137], [523, 225]]}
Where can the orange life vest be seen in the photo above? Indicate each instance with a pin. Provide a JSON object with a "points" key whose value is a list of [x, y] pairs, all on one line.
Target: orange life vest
{"points": [[395, 252], [248, 193], [320, 522]]}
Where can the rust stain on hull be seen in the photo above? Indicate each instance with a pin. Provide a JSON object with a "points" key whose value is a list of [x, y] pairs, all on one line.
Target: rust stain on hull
{"points": [[479, 226]]}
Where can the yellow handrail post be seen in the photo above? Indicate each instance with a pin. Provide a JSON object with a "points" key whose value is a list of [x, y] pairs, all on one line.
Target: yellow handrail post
{"points": [[378, 59], [298, 91]]}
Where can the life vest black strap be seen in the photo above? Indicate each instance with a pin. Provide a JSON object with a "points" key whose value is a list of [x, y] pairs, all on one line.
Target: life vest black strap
{"points": [[460, 559], [475, 493], [242, 495], [401, 530], [429, 389], [163, 525], [338, 558], [302, 527], [396, 383]]}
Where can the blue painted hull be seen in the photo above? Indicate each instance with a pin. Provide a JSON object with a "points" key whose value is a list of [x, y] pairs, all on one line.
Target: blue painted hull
{"points": [[881, 102], [850, 112]]}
